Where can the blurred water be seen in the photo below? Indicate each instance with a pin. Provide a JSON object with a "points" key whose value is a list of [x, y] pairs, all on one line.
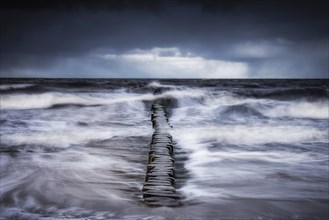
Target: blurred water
{"points": [[77, 149]]}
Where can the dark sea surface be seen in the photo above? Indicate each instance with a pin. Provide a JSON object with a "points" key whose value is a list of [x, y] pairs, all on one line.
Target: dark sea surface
{"points": [[244, 149]]}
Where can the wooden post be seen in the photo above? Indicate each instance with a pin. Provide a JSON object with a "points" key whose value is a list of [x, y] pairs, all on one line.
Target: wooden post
{"points": [[159, 187]]}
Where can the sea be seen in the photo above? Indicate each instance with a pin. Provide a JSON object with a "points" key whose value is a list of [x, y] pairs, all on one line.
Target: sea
{"points": [[243, 148]]}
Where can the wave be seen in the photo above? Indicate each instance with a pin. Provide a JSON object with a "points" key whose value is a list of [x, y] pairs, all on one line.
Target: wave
{"points": [[101, 178], [248, 134], [54, 136], [15, 86], [240, 171], [156, 84], [301, 109], [224, 105], [286, 93], [55, 99], [276, 109], [241, 110], [238, 152]]}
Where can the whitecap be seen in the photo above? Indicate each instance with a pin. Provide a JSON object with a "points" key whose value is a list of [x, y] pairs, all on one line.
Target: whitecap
{"points": [[300, 109], [15, 86]]}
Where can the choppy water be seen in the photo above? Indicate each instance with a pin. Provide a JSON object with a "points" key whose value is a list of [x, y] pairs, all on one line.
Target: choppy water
{"points": [[245, 149]]}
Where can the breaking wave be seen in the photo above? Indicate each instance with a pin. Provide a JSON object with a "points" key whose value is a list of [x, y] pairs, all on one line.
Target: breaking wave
{"points": [[15, 86], [77, 149]]}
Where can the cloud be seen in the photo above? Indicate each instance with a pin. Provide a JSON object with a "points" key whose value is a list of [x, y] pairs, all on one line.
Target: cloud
{"points": [[258, 49], [307, 59], [169, 62], [217, 38], [154, 63]]}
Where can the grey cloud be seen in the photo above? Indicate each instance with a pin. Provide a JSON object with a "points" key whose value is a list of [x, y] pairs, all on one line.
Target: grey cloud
{"points": [[45, 35], [302, 60]]}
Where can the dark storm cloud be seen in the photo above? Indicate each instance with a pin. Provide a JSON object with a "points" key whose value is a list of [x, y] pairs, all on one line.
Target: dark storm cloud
{"points": [[43, 34]]}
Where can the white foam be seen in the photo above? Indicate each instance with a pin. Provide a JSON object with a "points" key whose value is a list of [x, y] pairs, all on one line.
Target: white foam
{"points": [[15, 86], [253, 134], [156, 84], [212, 105], [46, 100], [55, 138], [207, 105], [186, 93], [301, 109], [217, 174], [64, 136], [233, 172], [71, 177]]}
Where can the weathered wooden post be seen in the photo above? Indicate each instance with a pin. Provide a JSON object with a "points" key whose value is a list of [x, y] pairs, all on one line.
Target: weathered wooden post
{"points": [[159, 187]]}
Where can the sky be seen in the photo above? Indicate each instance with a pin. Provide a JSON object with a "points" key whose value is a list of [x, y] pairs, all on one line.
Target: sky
{"points": [[164, 39]]}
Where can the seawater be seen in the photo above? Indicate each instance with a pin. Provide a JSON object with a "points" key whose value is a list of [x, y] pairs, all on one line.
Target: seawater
{"points": [[244, 149]]}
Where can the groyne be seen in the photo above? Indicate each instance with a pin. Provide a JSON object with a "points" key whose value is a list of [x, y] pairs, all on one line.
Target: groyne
{"points": [[159, 187]]}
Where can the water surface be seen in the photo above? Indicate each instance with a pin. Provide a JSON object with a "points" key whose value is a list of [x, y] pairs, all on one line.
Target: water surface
{"points": [[77, 149]]}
